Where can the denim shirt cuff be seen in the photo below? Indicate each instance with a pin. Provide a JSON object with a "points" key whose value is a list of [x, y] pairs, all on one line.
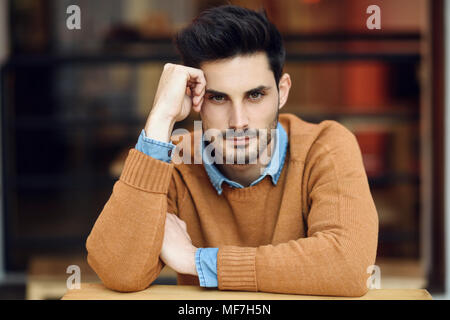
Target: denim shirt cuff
{"points": [[156, 149], [206, 265]]}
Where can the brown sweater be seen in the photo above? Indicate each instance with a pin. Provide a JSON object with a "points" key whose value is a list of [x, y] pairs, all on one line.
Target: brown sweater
{"points": [[315, 232]]}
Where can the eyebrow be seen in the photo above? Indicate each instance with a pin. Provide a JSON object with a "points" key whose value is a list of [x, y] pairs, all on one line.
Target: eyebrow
{"points": [[218, 93]]}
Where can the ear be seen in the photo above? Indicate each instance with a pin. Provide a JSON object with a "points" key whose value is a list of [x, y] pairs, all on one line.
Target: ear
{"points": [[283, 87]]}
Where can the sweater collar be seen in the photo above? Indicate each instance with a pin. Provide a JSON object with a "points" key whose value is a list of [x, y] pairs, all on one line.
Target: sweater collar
{"points": [[273, 169]]}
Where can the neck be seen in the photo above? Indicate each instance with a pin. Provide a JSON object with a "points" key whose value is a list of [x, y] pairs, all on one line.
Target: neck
{"points": [[243, 174]]}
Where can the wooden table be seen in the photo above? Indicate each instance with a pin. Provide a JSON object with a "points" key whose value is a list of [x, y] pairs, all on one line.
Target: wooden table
{"points": [[46, 276], [96, 291]]}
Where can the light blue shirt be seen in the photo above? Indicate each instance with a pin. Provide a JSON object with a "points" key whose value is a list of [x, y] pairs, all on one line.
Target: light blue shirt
{"points": [[206, 258]]}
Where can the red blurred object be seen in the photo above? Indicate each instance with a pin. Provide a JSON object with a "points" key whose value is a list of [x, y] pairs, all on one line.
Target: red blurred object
{"points": [[374, 146], [366, 86], [310, 1]]}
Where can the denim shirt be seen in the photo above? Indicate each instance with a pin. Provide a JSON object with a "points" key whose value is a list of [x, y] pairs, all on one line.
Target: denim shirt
{"points": [[206, 258]]}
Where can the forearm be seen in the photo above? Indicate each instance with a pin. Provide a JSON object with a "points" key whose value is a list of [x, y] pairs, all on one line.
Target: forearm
{"points": [[159, 127], [332, 260], [125, 242], [314, 266], [326, 264]]}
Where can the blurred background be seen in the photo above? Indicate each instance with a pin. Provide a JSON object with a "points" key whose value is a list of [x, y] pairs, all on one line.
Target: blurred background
{"points": [[73, 103]]}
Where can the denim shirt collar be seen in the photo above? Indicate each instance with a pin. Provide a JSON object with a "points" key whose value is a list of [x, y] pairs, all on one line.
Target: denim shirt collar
{"points": [[273, 169]]}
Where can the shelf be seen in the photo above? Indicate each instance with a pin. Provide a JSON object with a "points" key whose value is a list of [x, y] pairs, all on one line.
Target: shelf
{"points": [[391, 116], [54, 61], [396, 178], [386, 235], [46, 122], [49, 242], [72, 194], [56, 122], [353, 36], [97, 59], [150, 50], [342, 56], [77, 181], [302, 37], [63, 181]]}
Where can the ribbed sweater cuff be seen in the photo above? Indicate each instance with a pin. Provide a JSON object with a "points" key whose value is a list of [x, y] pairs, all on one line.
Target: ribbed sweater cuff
{"points": [[236, 268], [146, 173]]}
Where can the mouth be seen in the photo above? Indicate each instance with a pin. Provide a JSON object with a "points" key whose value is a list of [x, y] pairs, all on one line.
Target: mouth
{"points": [[240, 141]]}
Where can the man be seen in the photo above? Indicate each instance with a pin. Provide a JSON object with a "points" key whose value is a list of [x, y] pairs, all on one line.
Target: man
{"points": [[303, 222]]}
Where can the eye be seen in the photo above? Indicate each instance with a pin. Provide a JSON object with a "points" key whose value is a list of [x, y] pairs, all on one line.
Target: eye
{"points": [[217, 98], [256, 95]]}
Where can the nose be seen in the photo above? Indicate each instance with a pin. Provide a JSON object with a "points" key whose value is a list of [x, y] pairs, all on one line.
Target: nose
{"points": [[238, 118]]}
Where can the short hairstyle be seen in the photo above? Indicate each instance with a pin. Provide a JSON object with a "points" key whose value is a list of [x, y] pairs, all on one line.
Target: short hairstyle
{"points": [[228, 31]]}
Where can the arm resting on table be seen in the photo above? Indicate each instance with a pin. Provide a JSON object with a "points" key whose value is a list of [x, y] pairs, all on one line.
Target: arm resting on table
{"points": [[126, 240], [205, 258]]}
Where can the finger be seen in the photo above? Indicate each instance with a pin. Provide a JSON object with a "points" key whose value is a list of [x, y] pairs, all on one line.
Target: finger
{"points": [[176, 220], [195, 73], [197, 93], [198, 107], [197, 99], [174, 216], [170, 218], [200, 89], [197, 77], [179, 221], [183, 225], [202, 92]]}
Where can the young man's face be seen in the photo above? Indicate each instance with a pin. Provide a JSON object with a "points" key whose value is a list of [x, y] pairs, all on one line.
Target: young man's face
{"points": [[241, 95]]}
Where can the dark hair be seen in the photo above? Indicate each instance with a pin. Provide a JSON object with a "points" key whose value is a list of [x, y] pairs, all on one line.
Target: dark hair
{"points": [[228, 31]]}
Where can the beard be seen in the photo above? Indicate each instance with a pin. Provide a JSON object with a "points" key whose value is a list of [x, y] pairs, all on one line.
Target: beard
{"points": [[224, 151]]}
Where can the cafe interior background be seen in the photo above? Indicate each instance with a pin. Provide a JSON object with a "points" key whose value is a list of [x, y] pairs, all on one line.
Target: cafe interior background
{"points": [[73, 103]]}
